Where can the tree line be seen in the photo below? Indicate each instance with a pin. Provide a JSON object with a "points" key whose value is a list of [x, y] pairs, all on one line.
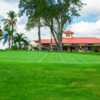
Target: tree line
{"points": [[9, 33], [55, 14]]}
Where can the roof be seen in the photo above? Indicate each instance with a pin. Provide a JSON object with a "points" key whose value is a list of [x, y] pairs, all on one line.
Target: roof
{"points": [[81, 40], [73, 41], [68, 32]]}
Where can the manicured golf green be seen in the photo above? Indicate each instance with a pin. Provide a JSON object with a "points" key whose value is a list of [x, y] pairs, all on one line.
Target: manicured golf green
{"points": [[26, 75]]}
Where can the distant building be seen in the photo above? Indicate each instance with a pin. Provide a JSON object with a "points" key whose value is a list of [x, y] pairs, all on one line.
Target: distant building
{"points": [[71, 43]]}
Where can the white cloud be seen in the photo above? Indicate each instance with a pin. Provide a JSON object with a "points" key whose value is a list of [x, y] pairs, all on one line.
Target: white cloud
{"points": [[5, 6], [92, 6], [87, 29]]}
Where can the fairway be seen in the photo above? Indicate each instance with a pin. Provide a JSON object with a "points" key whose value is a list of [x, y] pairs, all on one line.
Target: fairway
{"points": [[27, 75], [49, 57]]}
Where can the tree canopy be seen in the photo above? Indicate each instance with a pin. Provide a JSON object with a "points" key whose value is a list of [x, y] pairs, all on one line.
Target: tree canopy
{"points": [[55, 13]]}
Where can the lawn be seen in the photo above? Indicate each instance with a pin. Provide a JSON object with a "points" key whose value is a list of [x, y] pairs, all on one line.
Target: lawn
{"points": [[49, 76]]}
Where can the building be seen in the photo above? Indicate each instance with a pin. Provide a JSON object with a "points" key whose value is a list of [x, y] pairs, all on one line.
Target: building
{"points": [[71, 43]]}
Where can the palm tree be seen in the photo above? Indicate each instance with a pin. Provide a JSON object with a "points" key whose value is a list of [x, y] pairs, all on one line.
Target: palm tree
{"points": [[34, 10], [20, 41], [10, 22], [9, 35]]}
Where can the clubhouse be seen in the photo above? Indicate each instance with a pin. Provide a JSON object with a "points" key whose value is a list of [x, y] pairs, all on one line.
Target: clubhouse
{"points": [[71, 43]]}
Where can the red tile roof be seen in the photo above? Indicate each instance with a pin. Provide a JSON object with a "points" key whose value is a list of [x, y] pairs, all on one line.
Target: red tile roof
{"points": [[73, 41], [68, 32], [81, 40]]}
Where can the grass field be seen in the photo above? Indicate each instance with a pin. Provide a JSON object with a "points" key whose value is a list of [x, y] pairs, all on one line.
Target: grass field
{"points": [[49, 76]]}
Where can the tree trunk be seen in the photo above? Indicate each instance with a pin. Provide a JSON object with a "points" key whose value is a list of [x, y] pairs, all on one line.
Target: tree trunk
{"points": [[51, 42], [53, 34], [9, 42], [12, 35], [56, 41], [57, 36], [60, 46], [39, 35], [60, 34], [20, 46]]}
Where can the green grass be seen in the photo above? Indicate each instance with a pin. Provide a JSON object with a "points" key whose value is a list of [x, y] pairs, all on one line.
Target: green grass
{"points": [[49, 76]]}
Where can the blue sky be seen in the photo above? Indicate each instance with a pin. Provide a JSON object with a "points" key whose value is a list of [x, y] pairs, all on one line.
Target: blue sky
{"points": [[87, 25]]}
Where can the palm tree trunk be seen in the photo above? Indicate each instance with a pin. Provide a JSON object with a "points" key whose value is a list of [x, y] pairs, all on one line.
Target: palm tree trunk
{"points": [[12, 35], [20, 46], [9, 42]]}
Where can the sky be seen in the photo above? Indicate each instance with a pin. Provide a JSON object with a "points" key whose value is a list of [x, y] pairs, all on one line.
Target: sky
{"points": [[87, 25]]}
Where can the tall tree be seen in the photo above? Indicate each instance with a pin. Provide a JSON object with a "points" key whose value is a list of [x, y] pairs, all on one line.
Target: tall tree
{"points": [[10, 23], [8, 35], [34, 10], [59, 14], [56, 14]]}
